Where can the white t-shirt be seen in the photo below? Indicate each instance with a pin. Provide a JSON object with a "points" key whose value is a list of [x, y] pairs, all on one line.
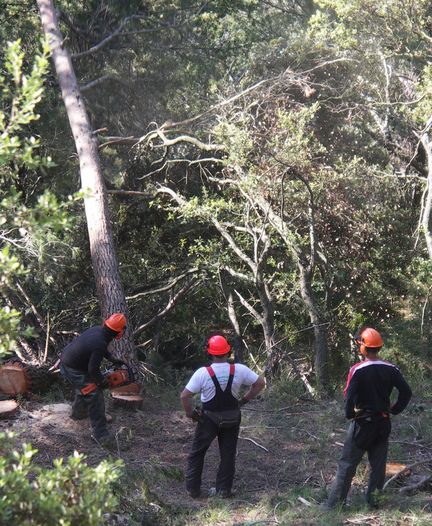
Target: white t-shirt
{"points": [[201, 381]]}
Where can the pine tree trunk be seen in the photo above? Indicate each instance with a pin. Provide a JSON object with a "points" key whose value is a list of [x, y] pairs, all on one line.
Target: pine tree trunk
{"points": [[105, 267]]}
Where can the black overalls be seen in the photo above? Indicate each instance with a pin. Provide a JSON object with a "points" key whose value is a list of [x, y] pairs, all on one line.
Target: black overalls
{"points": [[205, 432]]}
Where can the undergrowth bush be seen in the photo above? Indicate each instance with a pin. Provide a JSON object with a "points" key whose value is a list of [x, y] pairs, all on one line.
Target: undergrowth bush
{"points": [[69, 494]]}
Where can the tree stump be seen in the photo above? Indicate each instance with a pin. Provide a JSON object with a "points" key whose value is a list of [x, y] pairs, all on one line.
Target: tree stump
{"points": [[127, 397], [8, 408]]}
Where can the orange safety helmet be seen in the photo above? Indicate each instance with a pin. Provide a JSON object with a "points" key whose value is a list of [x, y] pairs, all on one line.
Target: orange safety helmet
{"points": [[116, 322], [217, 345], [369, 338]]}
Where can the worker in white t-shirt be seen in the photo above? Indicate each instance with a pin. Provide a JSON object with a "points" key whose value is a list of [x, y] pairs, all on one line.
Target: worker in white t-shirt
{"points": [[219, 386]]}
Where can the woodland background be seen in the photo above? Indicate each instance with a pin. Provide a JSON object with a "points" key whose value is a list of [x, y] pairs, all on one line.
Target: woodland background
{"points": [[267, 169]]}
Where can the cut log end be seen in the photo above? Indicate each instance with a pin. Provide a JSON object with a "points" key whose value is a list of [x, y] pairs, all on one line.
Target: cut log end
{"points": [[129, 389], [392, 468], [127, 401], [8, 408], [14, 379]]}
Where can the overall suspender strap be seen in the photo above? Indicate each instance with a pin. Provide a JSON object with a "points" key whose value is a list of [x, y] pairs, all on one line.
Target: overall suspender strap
{"points": [[215, 380], [231, 378], [223, 400]]}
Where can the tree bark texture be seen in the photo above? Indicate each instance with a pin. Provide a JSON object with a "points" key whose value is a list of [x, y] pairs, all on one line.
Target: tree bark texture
{"points": [[319, 327], [239, 344], [305, 265], [105, 267], [425, 219]]}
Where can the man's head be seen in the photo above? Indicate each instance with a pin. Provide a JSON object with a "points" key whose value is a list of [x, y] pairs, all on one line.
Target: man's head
{"points": [[117, 323], [369, 341], [218, 347]]}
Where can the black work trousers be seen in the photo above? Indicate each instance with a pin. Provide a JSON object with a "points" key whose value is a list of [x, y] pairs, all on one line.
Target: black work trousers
{"points": [[92, 405], [351, 457], [205, 432]]}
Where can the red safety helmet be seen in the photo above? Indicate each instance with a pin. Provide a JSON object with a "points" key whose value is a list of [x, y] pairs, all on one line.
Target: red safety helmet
{"points": [[217, 345], [369, 339], [116, 322]]}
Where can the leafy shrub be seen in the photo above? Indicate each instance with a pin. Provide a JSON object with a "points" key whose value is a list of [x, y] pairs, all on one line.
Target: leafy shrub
{"points": [[69, 494]]}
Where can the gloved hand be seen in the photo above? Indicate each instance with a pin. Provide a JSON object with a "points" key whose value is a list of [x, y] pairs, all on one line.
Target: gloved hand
{"points": [[104, 384]]}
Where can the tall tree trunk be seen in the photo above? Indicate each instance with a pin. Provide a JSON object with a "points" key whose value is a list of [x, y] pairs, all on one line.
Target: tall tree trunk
{"points": [[426, 213], [267, 311], [239, 344], [319, 327], [105, 267], [305, 264]]}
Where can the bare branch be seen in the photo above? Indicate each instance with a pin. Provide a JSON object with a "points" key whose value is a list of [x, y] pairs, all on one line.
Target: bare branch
{"points": [[261, 447], [36, 313], [179, 139], [327, 63], [165, 288], [238, 275], [107, 39], [94, 83], [234, 246], [119, 140], [249, 307], [221, 104], [169, 306], [174, 195], [132, 193]]}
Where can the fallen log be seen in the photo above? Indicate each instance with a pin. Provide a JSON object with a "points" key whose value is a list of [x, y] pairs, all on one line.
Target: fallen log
{"points": [[415, 464], [411, 488], [14, 379]]}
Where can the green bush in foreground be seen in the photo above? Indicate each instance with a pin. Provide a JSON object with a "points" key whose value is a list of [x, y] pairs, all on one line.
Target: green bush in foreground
{"points": [[69, 494]]}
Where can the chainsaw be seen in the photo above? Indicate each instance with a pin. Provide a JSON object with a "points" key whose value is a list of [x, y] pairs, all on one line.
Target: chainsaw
{"points": [[115, 377]]}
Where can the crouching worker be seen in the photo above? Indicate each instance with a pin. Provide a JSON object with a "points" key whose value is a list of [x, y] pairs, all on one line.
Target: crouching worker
{"points": [[219, 386], [80, 365], [367, 402]]}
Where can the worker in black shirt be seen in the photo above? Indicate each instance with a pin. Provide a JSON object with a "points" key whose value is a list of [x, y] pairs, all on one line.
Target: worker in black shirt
{"points": [[80, 365], [367, 402]]}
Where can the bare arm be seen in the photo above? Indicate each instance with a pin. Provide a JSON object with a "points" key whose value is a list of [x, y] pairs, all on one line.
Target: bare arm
{"points": [[186, 400], [254, 390]]}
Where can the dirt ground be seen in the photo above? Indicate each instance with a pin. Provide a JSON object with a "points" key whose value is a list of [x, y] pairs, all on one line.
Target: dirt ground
{"points": [[289, 451], [162, 436]]}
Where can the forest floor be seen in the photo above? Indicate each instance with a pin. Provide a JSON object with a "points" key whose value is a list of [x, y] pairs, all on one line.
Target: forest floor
{"points": [[286, 459]]}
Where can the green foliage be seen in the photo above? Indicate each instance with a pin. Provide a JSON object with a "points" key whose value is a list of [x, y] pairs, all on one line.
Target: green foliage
{"points": [[335, 73], [9, 326], [69, 494], [294, 140], [20, 93], [236, 139], [423, 110], [32, 225]]}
